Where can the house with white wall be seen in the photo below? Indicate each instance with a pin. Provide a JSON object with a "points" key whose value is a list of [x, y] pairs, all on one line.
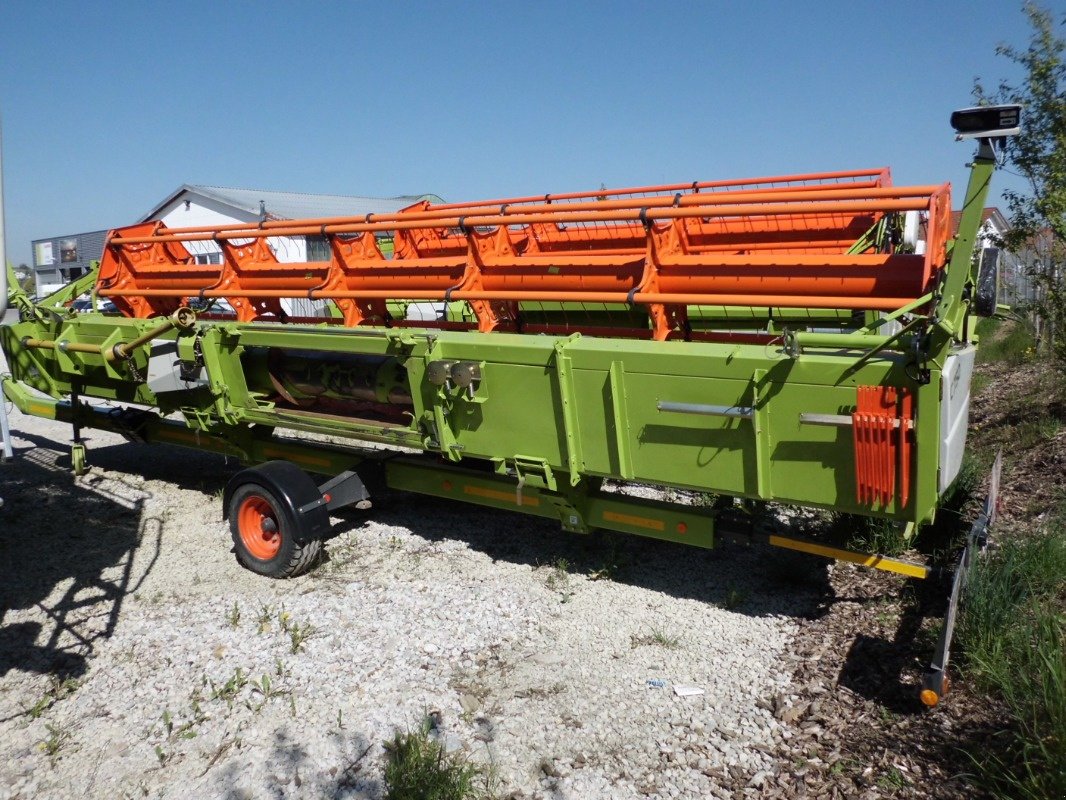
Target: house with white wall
{"points": [[59, 259], [193, 205]]}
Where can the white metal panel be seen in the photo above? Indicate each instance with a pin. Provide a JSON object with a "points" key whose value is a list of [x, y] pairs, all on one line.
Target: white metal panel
{"points": [[954, 412], [193, 211]]}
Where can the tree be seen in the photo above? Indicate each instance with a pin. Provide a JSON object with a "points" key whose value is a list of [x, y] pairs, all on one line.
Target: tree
{"points": [[1038, 154], [26, 278]]}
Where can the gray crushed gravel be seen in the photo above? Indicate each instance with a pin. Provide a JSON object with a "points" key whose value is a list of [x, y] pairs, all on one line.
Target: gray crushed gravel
{"points": [[137, 659]]}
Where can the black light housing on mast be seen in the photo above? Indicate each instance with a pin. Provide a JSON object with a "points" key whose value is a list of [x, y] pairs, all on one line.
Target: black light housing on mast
{"points": [[986, 122]]}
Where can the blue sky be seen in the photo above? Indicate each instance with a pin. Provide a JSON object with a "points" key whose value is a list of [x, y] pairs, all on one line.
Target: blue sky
{"points": [[107, 107]]}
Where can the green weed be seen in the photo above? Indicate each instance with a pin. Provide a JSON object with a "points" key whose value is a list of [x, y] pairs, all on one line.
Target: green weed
{"points": [[58, 688], [58, 736], [873, 535], [417, 768], [234, 616], [229, 690], [656, 637], [558, 579], [734, 598], [614, 561], [265, 617], [298, 634], [892, 778]]}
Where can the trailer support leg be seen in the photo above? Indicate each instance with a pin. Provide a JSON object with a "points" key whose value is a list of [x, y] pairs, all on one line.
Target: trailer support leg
{"points": [[935, 683], [77, 449]]}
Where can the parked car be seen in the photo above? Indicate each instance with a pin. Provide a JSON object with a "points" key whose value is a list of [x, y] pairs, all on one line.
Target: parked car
{"points": [[83, 305]]}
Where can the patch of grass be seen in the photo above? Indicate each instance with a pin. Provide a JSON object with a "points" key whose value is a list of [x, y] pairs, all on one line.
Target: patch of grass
{"points": [[229, 690], [234, 615], [979, 382], [58, 736], [986, 326], [871, 535], [1010, 343], [265, 617], [1034, 432], [417, 768], [892, 778], [966, 483], [734, 598], [1012, 633], [298, 634], [558, 579], [656, 637], [58, 688]]}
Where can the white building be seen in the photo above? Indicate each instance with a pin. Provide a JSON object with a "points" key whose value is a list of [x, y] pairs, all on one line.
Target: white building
{"points": [[195, 206], [60, 259]]}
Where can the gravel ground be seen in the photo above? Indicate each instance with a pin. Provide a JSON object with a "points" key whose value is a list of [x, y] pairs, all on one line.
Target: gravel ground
{"points": [[137, 659]]}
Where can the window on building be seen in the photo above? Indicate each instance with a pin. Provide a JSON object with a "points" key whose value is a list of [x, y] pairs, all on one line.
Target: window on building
{"points": [[208, 258], [318, 248], [68, 250]]}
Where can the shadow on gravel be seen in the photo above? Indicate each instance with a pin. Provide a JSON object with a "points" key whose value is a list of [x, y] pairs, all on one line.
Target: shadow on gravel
{"points": [[52, 537], [67, 557], [291, 770], [756, 581]]}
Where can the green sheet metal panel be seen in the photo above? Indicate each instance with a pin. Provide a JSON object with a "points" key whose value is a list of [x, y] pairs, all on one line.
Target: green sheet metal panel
{"points": [[517, 417], [701, 452]]}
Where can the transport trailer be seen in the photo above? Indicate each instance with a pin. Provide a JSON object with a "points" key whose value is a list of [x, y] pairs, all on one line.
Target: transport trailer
{"points": [[785, 339]]}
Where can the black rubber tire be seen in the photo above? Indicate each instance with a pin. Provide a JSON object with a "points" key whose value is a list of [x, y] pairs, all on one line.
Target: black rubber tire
{"points": [[291, 558], [986, 295]]}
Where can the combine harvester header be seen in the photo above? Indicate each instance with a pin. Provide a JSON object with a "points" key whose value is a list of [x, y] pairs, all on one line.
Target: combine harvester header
{"points": [[805, 241], [777, 339]]}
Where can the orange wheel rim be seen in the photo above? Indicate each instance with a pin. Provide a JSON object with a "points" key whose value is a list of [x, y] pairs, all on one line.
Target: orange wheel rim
{"points": [[258, 525]]}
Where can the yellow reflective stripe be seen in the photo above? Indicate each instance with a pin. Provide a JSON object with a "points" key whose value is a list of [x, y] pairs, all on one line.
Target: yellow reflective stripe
{"points": [[496, 494], [640, 522], [41, 409], [863, 559]]}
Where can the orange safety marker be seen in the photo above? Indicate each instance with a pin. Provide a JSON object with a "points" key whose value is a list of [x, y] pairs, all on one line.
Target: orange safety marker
{"points": [[881, 426]]}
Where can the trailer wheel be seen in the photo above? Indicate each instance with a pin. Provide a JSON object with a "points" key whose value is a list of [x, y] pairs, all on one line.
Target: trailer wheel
{"points": [[267, 536]]}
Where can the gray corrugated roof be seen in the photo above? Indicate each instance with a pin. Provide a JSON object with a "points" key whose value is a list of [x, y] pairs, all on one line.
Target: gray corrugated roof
{"points": [[295, 205]]}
